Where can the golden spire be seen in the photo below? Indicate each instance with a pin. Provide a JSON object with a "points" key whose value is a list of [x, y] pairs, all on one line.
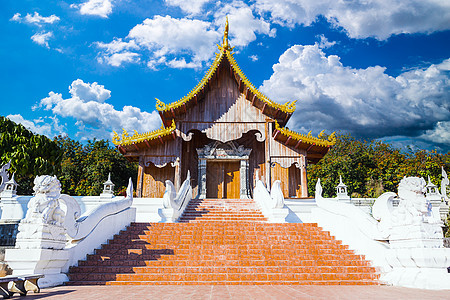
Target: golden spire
{"points": [[225, 36]]}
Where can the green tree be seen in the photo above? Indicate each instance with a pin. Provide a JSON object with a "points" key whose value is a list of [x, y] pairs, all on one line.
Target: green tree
{"points": [[85, 168], [30, 154], [371, 168]]}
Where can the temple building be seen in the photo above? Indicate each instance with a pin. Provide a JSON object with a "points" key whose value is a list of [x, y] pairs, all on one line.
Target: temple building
{"points": [[226, 133]]}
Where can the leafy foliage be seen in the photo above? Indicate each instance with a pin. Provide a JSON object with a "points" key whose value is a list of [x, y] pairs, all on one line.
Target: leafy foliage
{"points": [[85, 168], [81, 169], [30, 154], [372, 168]]}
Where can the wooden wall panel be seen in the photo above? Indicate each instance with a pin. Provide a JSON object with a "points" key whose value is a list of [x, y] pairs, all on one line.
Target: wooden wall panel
{"points": [[154, 180], [224, 103]]}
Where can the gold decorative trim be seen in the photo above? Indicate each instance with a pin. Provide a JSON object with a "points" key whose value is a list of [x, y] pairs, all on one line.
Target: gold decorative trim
{"points": [[225, 50], [288, 107], [309, 139], [161, 106], [126, 139]]}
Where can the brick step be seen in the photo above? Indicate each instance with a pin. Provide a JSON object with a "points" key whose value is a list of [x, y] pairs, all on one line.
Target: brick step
{"points": [[252, 282], [222, 276], [324, 259], [216, 263], [221, 269], [298, 248], [305, 254]]}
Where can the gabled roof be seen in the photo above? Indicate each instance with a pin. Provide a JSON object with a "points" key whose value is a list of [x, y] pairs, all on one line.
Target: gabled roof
{"points": [[280, 112], [316, 147]]}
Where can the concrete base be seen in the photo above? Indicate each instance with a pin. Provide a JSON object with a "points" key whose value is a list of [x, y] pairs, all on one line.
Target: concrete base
{"points": [[419, 278], [166, 215], [39, 261]]}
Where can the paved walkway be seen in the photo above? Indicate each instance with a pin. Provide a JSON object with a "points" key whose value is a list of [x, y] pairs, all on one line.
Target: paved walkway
{"points": [[259, 292]]}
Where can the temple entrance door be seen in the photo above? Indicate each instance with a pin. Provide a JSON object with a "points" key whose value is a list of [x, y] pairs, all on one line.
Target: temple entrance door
{"points": [[222, 179]]}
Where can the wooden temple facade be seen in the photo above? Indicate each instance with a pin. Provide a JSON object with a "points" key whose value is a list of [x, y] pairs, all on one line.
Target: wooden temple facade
{"points": [[226, 134]]}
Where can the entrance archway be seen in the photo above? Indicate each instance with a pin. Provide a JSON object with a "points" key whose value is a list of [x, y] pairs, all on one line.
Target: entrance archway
{"points": [[223, 170]]}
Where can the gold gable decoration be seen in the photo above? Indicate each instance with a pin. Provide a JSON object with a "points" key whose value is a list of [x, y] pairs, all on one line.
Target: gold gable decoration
{"points": [[309, 139], [126, 139], [226, 50]]}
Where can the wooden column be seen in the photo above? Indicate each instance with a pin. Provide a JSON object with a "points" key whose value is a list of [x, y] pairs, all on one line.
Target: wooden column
{"points": [[304, 179], [140, 178], [177, 178], [201, 178], [267, 154]]}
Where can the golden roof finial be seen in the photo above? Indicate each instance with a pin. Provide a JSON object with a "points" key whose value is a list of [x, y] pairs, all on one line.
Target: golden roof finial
{"points": [[225, 35]]}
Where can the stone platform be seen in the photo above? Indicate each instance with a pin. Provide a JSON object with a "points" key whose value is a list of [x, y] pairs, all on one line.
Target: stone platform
{"points": [[260, 292]]}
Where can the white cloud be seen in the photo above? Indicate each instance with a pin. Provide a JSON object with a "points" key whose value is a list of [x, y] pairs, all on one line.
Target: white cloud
{"points": [[17, 17], [366, 102], [192, 7], [254, 57], [42, 38], [178, 43], [89, 92], [245, 25], [324, 42], [117, 59], [363, 18], [183, 42], [167, 35], [40, 126], [95, 118], [35, 19], [439, 134], [117, 52], [101, 8]]}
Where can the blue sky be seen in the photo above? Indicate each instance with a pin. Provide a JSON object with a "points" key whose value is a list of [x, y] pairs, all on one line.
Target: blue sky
{"points": [[375, 69]]}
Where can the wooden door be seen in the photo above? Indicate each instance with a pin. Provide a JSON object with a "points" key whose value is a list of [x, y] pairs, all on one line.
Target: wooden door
{"points": [[214, 180], [222, 180], [232, 180]]}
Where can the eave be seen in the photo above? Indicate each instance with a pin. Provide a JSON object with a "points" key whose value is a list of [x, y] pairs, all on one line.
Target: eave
{"points": [[315, 147], [139, 141]]}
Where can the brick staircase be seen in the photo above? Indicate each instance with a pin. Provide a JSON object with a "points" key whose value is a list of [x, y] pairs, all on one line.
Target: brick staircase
{"points": [[236, 210], [223, 242]]}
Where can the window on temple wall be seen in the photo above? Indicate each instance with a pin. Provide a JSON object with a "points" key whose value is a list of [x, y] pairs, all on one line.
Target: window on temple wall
{"points": [[290, 179], [155, 180]]}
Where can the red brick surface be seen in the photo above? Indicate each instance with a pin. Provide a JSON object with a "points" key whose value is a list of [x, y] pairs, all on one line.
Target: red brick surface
{"points": [[223, 243]]}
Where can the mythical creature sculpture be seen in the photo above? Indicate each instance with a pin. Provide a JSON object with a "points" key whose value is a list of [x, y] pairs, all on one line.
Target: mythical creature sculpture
{"points": [[413, 208], [4, 175], [444, 184], [177, 202], [44, 206]]}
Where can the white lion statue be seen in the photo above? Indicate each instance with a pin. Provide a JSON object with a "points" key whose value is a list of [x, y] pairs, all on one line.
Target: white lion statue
{"points": [[413, 208], [44, 206]]}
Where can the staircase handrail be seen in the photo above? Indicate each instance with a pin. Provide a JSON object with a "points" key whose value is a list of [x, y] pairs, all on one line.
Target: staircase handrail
{"points": [[268, 201], [78, 227], [178, 202]]}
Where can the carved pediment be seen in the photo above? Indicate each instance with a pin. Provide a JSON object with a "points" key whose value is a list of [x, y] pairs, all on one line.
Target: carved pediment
{"points": [[219, 150]]}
